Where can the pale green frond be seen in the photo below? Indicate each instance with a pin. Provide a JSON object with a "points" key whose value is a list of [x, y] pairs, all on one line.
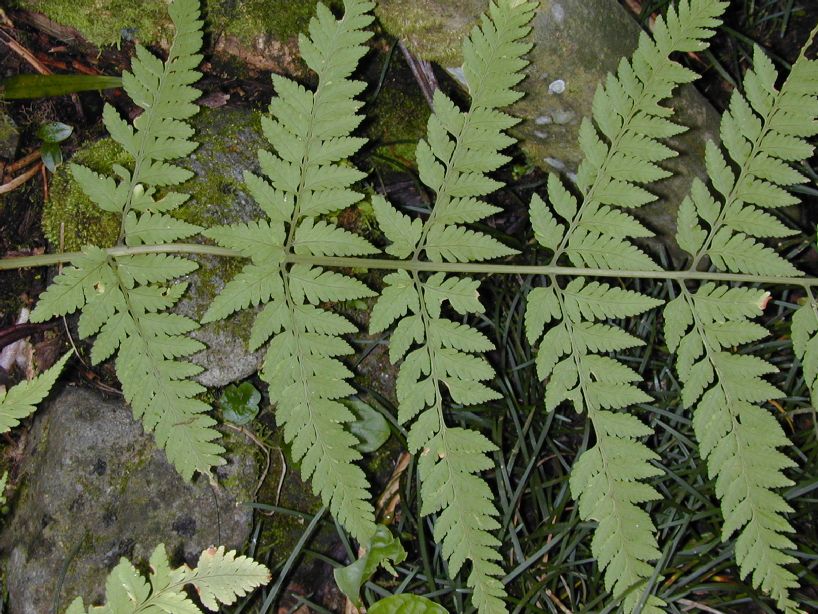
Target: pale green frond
{"points": [[398, 298], [762, 134], [547, 230], [21, 400], [461, 293], [621, 146], [402, 231], [458, 244], [220, 578], [70, 289], [737, 253], [309, 175], [598, 301], [260, 241], [154, 228], [325, 239], [738, 438], [254, 285], [317, 285], [591, 249]]}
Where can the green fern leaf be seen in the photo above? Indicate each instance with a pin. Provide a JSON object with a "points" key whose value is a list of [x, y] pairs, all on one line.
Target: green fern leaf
{"points": [[454, 160], [220, 578], [307, 176], [762, 131], [121, 299], [738, 438], [21, 400]]}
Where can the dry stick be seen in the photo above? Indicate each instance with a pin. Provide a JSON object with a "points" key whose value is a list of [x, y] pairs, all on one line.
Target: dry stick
{"points": [[25, 54], [23, 162], [20, 180]]}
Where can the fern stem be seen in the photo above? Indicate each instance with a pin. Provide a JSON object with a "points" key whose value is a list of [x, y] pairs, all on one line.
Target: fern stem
{"points": [[7, 264]]}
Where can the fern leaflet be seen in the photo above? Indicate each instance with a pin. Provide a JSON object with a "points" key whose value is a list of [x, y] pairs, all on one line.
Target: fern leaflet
{"points": [[308, 176], [123, 299], [621, 150], [219, 578], [438, 353], [21, 400], [762, 132]]}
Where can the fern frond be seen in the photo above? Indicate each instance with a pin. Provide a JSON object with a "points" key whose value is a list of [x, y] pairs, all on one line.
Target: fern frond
{"points": [[608, 479], [621, 146], [441, 357], [762, 131], [738, 438], [123, 299], [21, 400], [308, 176], [219, 578], [622, 152]]}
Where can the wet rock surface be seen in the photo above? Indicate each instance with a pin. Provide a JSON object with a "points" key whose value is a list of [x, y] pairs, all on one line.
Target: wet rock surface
{"points": [[95, 489]]}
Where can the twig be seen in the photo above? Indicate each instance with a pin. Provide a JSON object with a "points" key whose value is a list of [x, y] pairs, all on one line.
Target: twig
{"points": [[263, 448], [20, 180], [25, 54], [423, 73], [23, 162]]}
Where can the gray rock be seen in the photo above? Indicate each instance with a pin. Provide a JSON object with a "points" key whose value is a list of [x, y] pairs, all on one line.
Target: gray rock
{"points": [[96, 489], [576, 43], [230, 139], [9, 136]]}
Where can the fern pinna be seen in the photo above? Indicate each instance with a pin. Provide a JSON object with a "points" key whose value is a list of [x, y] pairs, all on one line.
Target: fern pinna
{"points": [[124, 298], [307, 177], [608, 479], [763, 131], [439, 360]]}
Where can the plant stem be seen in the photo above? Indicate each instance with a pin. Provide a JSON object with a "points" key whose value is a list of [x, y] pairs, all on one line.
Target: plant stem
{"points": [[413, 265]]}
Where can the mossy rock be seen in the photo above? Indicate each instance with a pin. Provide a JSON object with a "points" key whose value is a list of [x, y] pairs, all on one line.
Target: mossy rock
{"points": [[96, 488], [261, 32], [230, 139]]}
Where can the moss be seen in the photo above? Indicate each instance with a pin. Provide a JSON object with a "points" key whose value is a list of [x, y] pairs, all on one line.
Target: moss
{"points": [[210, 192], [106, 22], [281, 19], [84, 222], [434, 30], [399, 121]]}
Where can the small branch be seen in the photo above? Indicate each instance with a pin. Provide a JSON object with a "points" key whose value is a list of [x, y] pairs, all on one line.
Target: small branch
{"points": [[23, 162], [20, 180], [25, 54], [420, 266]]}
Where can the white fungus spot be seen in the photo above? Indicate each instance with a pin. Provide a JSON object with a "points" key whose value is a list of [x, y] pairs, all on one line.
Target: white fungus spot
{"points": [[557, 86], [557, 12], [542, 120]]}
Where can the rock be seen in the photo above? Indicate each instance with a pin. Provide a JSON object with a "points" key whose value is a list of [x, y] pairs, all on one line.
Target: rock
{"points": [[230, 139], [262, 33], [9, 136], [576, 43], [95, 489]]}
